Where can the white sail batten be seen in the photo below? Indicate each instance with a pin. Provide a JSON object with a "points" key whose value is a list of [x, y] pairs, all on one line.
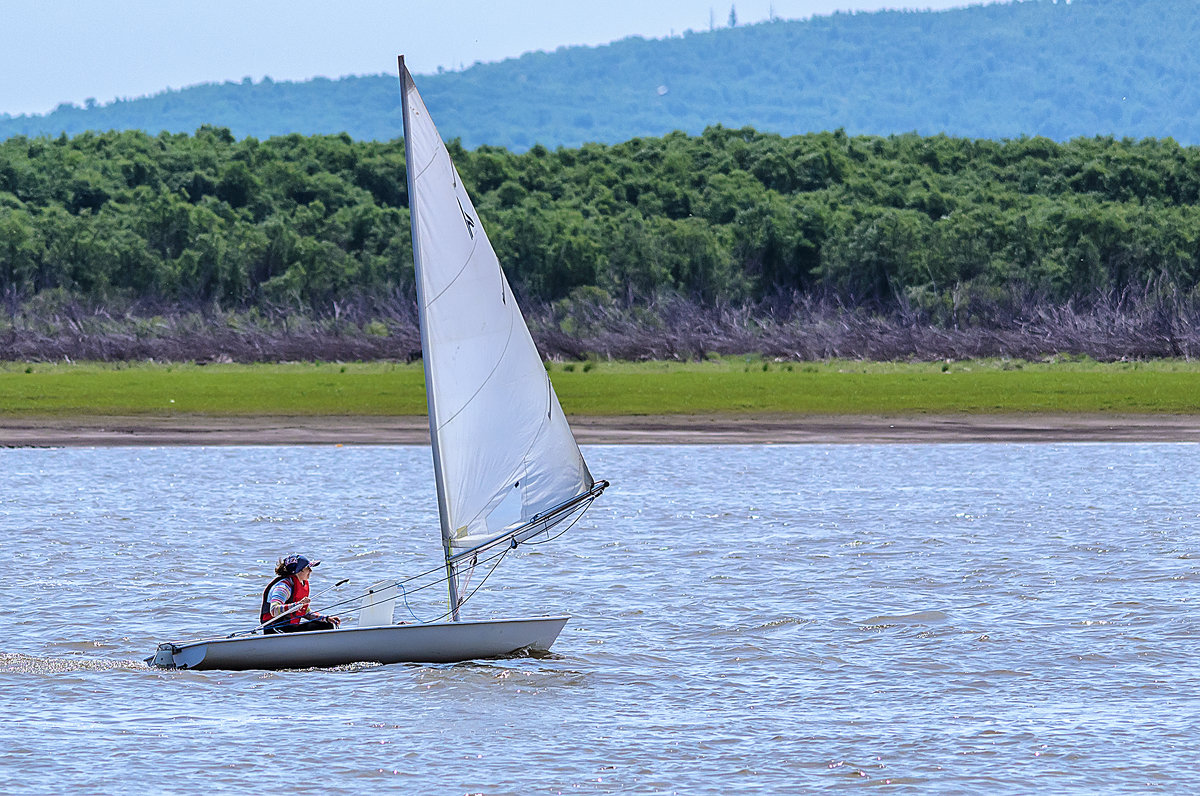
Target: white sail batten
{"points": [[504, 453]]}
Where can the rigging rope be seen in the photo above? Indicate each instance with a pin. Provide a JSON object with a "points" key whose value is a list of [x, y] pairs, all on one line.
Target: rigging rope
{"points": [[584, 507], [423, 586], [496, 557]]}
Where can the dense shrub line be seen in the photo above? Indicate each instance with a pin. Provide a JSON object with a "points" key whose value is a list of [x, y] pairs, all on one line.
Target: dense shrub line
{"points": [[956, 236]]}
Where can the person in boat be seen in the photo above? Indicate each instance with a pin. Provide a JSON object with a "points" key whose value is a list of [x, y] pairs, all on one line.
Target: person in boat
{"points": [[290, 590]]}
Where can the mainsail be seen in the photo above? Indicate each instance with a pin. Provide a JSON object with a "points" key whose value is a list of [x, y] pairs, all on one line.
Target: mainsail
{"points": [[503, 453]]}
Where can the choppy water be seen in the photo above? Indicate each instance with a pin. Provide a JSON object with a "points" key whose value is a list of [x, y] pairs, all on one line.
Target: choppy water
{"points": [[943, 618]]}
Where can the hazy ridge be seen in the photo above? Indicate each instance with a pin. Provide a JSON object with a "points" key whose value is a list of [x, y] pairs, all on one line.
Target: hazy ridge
{"points": [[1056, 69]]}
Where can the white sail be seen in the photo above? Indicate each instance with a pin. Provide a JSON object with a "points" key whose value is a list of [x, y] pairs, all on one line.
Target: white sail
{"points": [[503, 451]]}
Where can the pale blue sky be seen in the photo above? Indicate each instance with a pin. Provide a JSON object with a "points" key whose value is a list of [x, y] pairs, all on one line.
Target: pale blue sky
{"points": [[71, 50]]}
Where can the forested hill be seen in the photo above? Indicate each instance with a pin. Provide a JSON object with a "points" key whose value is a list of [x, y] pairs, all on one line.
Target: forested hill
{"points": [[1055, 69]]}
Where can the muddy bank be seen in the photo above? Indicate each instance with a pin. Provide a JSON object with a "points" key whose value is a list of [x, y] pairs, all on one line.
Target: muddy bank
{"points": [[662, 429]]}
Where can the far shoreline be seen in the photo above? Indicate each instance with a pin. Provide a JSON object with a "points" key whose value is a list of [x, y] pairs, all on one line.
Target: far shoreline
{"points": [[707, 429]]}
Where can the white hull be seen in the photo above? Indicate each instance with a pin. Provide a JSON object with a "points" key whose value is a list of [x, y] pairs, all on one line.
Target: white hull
{"points": [[442, 642]]}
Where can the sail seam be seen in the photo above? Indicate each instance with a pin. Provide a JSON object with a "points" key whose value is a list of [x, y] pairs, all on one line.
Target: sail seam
{"points": [[542, 426], [460, 272], [426, 167], [420, 173], [486, 379], [474, 239]]}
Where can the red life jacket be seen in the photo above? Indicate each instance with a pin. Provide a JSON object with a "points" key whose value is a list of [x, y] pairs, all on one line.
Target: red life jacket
{"points": [[299, 592]]}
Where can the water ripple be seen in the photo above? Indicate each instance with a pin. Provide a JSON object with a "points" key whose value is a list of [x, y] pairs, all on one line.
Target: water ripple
{"points": [[949, 618]]}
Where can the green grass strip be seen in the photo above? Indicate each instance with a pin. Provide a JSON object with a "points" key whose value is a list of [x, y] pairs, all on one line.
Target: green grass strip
{"points": [[727, 385]]}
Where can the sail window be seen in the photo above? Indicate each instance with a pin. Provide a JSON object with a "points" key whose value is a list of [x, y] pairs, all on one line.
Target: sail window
{"points": [[508, 511]]}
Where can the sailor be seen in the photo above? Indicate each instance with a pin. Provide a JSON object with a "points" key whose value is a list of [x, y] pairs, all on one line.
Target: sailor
{"points": [[290, 590]]}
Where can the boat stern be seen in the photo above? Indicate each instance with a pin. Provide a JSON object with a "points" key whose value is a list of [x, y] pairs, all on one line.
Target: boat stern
{"points": [[164, 657]]}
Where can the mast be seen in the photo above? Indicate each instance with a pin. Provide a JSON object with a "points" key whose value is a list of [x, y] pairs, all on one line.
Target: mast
{"points": [[439, 479]]}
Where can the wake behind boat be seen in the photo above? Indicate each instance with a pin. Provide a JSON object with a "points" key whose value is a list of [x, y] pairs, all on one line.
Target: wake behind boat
{"points": [[506, 465]]}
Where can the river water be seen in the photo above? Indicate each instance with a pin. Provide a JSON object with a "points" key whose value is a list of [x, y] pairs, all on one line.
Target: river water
{"points": [[772, 619]]}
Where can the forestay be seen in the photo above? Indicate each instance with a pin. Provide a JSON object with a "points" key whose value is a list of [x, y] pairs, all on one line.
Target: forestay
{"points": [[503, 451]]}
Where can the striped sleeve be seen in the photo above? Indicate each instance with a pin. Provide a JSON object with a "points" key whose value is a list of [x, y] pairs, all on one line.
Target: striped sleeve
{"points": [[280, 593]]}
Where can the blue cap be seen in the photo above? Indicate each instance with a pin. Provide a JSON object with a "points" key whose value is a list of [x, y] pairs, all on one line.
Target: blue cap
{"points": [[295, 563]]}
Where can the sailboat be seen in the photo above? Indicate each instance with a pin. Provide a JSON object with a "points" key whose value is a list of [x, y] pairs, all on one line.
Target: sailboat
{"points": [[506, 465]]}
